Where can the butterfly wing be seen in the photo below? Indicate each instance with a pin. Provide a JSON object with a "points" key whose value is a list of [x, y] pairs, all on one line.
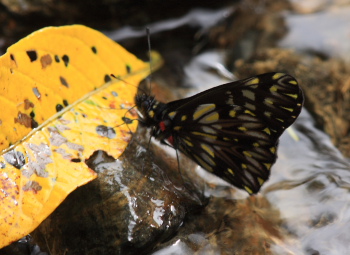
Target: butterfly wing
{"points": [[275, 98], [233, 130]]}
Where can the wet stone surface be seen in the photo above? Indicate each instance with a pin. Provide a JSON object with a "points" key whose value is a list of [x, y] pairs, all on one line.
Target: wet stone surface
{"points": [[132, 207]]}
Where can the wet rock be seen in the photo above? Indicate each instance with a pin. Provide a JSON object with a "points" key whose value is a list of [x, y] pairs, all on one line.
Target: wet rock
{"points": [[133, 205]]}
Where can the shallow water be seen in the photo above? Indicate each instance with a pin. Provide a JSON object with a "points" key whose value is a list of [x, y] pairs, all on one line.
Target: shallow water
{"points": [[302, 209], [309, 184]]}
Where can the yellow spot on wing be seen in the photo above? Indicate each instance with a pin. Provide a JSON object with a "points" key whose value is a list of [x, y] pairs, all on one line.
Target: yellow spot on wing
{"points": [[230, 171], [207, 149], [249, 112], [203, 164], [293, 82], [273, 88], [232, 113], [268, 166], [248, 189], [177, 128], [183, 118], [171, 114], [188, 143], [244, 166], [213, 117], [267, 131], [267, 114], [288, 109], [256, 144], [204, 134], [202, 109], [261, 181], [246, 153], [273, 149], [277, 76], [242, 128], [295, 96], [268, 101], [253, 81]]}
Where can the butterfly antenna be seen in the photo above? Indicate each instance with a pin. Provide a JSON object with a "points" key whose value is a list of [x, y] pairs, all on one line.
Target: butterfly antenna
{"points": [[179, 168], [149, 79]]}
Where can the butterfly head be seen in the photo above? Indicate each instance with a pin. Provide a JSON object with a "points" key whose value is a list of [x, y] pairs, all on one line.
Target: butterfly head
{"points": [[149, 109]]}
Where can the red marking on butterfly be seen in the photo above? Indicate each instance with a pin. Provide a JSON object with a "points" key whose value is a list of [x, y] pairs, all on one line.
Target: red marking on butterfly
{"points": [[162, 126]]}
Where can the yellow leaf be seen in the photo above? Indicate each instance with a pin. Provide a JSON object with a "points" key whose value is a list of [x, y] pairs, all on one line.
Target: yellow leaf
{"points": [[59, 105]]}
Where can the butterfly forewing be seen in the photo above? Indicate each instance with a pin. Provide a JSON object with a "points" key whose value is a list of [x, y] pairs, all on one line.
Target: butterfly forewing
{"points": [[231, 130], [275, 97]]}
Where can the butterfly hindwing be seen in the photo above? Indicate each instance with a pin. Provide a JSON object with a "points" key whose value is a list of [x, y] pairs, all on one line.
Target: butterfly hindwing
{"points": [[240, 151]]}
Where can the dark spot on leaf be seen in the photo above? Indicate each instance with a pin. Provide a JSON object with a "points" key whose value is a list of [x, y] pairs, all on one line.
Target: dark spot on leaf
{"points": [[127, 120], [23, 119], [15, 158], [105, 131], [32, 55], [32, 114], [105, 98], [128, 68], [115, 94], [64, 82], [65, 59], [34, 124], [32, 186], [59, 107], [65, 102], [36, 92], [97, 158], [2, 165], [45, 60], [84, 115], [75, 160], [11, 71], [12, 57], [57, 59], [28, 104], [94, 50], [107, 78]]}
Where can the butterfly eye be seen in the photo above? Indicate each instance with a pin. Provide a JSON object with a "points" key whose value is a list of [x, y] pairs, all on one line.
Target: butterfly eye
{"points": [[145, 105], [144, 102]]}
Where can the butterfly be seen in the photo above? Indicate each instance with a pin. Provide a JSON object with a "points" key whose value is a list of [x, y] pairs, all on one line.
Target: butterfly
{"points": [[231, 130]]}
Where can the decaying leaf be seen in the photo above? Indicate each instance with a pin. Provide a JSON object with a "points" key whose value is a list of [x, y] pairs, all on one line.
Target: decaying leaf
{"points": [[59, 105]]}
